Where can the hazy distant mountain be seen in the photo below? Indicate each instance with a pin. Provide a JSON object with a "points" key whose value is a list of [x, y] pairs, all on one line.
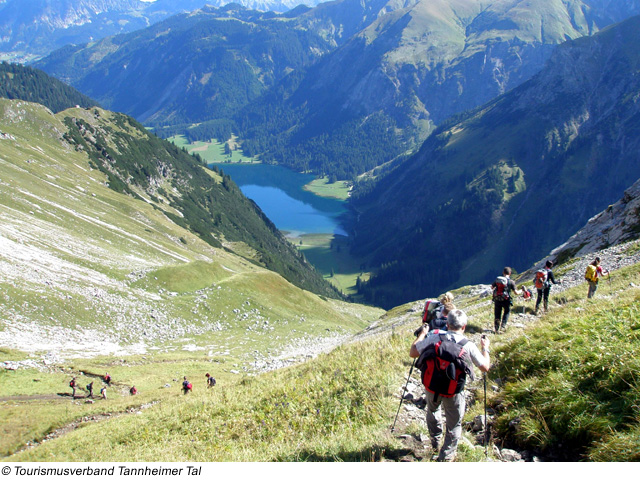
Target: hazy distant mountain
{"points": [[191, 67], [512, 180], [33, 28]]}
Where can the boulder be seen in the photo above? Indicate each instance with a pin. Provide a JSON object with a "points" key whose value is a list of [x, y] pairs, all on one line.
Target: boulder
{"points": [[508, 455]]}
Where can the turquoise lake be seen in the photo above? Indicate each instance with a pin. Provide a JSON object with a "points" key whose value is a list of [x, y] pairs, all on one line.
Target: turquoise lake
{"points": [[279, 192]]}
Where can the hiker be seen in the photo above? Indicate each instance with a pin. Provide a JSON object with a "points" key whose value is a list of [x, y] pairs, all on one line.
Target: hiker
{"points": [[90, 390], [210, 381], [133, 390], [103, 392], [543, 280], [502, 286], [452, 399], [440, 322], [433, 314], [107, 378], [186, 386], [594, 271], [73, 384]]}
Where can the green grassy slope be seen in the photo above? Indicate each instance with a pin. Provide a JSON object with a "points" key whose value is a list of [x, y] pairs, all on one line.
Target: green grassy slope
{"points": [[95, 280], [577, 399]]}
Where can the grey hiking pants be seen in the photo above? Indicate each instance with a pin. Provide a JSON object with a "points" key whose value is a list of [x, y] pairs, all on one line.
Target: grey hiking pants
{"points": [[593, 286], [453, 412]]}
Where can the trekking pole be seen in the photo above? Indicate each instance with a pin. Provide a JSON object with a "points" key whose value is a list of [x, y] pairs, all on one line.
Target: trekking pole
{"points": [[403, 392], [486, 423]]}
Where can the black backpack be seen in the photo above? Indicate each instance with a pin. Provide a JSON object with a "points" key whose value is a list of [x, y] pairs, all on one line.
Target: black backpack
{"points": [[445, 366]]}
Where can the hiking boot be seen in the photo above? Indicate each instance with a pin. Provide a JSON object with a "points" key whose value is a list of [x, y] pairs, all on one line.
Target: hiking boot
{"points": [[435, 442]]}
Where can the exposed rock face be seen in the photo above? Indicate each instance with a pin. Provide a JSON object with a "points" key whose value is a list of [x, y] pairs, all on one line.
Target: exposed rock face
{"points": [[619, 223]]}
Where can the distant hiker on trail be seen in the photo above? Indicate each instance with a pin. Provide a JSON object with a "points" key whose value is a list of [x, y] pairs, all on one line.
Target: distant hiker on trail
{"points": [[103, 392], [210, 381], [543, 280], [133, 390], [90, 390], [502, 286], [443, 386], [107, 378], [186, 386], [73, 384], [594, 271]]}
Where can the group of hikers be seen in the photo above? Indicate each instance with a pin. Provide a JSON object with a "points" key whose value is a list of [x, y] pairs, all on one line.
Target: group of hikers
{"points": [[103, 391], [446, 358], [543, 281], [187, 386]]}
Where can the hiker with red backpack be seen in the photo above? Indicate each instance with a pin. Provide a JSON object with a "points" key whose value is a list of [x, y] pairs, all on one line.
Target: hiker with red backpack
{"points": [[543, 280], [502, 288], [593, 273], [435, 312], [445, 360], [186, 386], [73, 384]]}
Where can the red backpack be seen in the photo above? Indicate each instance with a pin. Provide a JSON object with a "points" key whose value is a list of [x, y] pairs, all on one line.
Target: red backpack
{"points": [[541, 279], [445, 366], [501, 292]]}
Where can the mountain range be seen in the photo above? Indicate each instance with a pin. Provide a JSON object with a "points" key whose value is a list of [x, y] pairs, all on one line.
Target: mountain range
{"points": [[33, 28], [509, 181], [355, 74], [502, 184]]}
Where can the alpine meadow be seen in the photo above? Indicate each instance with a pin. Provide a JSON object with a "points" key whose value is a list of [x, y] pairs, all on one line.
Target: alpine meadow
{"points": [[476, 299]]}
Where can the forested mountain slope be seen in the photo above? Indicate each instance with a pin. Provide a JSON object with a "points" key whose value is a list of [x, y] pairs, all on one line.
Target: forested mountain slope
{"points": [[338, 89], [508, 182], [155, 171], [190, 68], [25, 83]]}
